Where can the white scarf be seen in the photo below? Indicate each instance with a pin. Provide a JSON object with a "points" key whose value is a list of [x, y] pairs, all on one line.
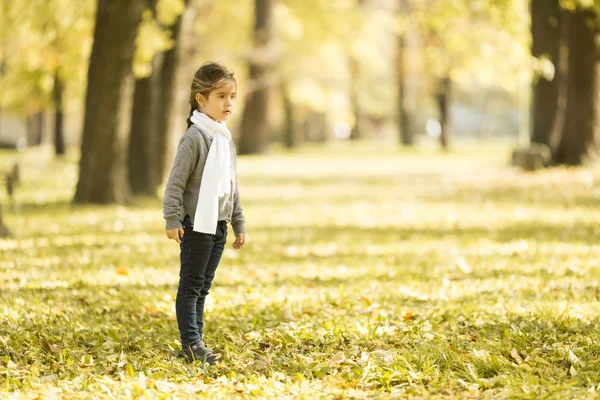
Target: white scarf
{"points": [[216, 177]]}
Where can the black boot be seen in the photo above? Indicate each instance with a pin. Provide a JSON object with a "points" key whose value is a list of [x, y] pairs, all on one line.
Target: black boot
{"points": [[198, 351]]}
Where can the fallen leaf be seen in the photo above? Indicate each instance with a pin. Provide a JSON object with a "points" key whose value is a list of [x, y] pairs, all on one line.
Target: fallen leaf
{"points": [[122, 271], [463, 265], [287, 315], [408, 316], [337, 359], [260, 365], [481, 353], [251, 335], [142, 381], [54, 348], [515, 354], [574, 359], [383, 355]]}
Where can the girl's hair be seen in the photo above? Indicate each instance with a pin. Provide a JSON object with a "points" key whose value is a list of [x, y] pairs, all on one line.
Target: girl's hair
{"points": [[210, 76]]}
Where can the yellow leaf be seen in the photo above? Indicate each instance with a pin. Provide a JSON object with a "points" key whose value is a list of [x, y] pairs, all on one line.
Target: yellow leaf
{"points": [[122, 271], [337, 359], [54, 348], [287, 314], [260, 365]]}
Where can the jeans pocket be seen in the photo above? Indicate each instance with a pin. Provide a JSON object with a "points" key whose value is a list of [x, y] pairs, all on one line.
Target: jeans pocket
{"points": [[223, 238], [185, 240]]}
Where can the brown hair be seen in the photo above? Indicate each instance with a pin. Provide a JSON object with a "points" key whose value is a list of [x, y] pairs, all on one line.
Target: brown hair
{"points": [[210, 76]]}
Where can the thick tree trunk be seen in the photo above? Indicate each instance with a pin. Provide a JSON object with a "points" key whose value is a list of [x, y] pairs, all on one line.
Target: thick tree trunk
{"points": [[579, 141], [255, 127], [103, 168], [143, 139], [545, 33], [59, 138], [35, 129], [315, 126], [444, 98], [291, 139], [4, 232], [168, 88], [143, 142], [405, 105]]}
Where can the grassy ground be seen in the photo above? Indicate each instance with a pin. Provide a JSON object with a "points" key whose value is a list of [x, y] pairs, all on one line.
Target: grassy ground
{"points": [[367, 275]]}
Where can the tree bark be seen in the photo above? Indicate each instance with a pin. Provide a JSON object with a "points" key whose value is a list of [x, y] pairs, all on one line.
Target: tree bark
{"points": [[444, 97], [59, 138], [143, 142], [545, 33], [35, 129], [143, 139], [578, 141], [315, 126], [103, 167], [291, 139], [405, 105], [255, 127], [4, 232], [169, 79], [359, 130]]}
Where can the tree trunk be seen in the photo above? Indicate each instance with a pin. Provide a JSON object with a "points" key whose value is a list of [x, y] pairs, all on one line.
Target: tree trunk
{"points": [[35, 129], [187, 51], [59, 138], [358, 130], [4, 232], [143, 142], [145, 116], [255, 127], [103, 168], [545, 33], [291, 136], [578, 141], [168, 88], [444, 98], [315, 126], [404, 102]]}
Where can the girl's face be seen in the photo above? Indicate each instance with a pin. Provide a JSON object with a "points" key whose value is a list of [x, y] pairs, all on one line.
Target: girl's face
{"points": [[219, 104]]}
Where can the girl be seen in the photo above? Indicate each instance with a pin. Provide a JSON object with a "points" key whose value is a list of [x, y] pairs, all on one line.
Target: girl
{"points": [[201, 196]]}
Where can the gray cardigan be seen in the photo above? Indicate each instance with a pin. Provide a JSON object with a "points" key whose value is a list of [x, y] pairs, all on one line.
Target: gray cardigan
{"points": [[183, 185]]}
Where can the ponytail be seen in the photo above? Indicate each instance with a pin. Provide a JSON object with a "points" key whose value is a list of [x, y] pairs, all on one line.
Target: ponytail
{"points": [[189, 120]]}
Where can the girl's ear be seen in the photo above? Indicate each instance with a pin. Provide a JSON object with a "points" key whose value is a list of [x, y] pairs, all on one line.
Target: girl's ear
{"points": [[200, 99]]}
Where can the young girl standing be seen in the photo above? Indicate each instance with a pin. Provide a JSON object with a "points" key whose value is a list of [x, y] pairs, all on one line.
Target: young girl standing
{"points": [[201, 196]]}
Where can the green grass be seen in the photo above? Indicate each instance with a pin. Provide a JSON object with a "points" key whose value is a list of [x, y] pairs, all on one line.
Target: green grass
{"points": [[367, 274]]}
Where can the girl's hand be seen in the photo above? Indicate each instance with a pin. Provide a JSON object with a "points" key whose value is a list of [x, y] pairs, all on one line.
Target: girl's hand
{"points": [[175, 234], [240, 240]]}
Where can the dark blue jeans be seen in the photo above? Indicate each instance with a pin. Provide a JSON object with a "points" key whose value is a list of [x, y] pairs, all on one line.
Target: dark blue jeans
{"points": [[199, 257]]}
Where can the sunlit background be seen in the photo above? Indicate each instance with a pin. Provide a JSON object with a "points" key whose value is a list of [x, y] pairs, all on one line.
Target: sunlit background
{"points": [[418, 177]]}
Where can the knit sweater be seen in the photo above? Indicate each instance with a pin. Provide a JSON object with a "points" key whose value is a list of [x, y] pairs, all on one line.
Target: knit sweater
{"points": [[183, 185]]}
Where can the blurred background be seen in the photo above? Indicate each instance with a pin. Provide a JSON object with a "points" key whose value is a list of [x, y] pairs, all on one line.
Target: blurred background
{"points": [[112, 78], [420, 214]]}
